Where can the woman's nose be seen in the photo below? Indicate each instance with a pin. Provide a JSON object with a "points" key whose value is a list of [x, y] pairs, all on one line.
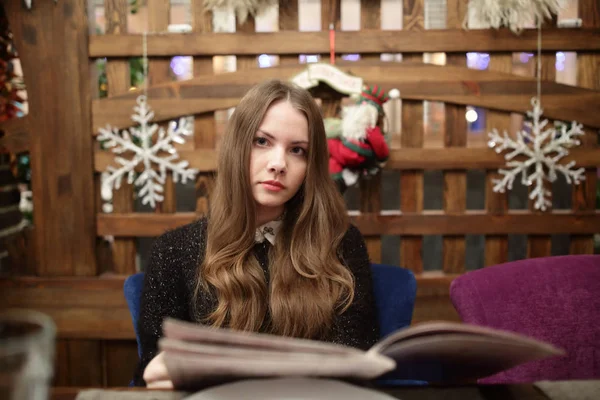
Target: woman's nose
{"points": [[277, 163]]}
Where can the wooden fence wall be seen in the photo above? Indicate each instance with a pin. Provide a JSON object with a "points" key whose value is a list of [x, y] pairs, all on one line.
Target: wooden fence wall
{"points": [[78, 277]]}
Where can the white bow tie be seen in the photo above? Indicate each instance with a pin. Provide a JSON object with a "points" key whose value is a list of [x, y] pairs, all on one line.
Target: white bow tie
{"points": [[267, 231]]}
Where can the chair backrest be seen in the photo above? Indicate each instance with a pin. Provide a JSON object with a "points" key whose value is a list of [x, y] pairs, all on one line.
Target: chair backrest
{"points": [[556, 299], [395, 290], [133, 291]]}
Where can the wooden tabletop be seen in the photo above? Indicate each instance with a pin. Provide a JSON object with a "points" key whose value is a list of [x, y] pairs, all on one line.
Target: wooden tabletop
{"points": [[490, 392]]}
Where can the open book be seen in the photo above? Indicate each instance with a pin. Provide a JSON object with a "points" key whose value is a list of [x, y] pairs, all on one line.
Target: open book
{"points": [[439, 352]]}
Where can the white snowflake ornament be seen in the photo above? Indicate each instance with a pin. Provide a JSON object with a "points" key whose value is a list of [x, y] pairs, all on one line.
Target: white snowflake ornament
{"points": [[149, 154], [543, 148]]}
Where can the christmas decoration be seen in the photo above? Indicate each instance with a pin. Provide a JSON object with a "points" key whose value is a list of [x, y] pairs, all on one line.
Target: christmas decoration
{"points": [[10, 83], [543, 148], [138, 141], [357, 146], [242, 8], [514, 14]]}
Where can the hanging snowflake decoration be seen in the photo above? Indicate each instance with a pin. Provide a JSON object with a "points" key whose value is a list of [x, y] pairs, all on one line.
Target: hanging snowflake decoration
{"points": [[146, 153], [543, 148]]}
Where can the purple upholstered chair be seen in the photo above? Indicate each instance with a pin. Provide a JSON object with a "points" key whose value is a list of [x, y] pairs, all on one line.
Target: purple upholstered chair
{"points": [[556, 299]]}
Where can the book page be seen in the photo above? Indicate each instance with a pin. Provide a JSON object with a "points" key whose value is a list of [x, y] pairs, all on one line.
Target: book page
{"points": [[192, 332], [458, 353], [192, 371]]}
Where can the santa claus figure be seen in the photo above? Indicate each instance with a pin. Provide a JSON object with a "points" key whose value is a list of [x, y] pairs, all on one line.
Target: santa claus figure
{"points": [[359, 148]]}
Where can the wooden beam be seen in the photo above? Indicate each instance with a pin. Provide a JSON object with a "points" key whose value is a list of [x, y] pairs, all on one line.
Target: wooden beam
{"points": [[53, 42], [363, 41], [205, 160], [389, 223], [96, 309], [80, 307], [416, 81]]}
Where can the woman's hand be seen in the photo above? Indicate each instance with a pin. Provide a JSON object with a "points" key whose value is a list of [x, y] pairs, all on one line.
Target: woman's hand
{"points": [[156, 374]]}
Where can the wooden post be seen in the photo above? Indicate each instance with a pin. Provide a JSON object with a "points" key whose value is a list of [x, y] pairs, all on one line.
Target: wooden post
{"points": [[496, 246], [159, 72], [588, 71], [455, 135], [205, 131], [411, 181], [288, 21], [55, 36], [119, 82], [370, 190]]}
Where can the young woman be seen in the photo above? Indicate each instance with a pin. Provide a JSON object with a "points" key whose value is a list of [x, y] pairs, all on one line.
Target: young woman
{"points": [[277, 253]]}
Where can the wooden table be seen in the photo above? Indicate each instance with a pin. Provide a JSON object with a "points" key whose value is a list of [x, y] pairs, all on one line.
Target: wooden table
{"points": [[489, 392]]}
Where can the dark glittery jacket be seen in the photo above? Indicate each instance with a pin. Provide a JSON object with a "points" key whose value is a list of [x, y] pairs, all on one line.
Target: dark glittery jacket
{"points": [[169, 285]]}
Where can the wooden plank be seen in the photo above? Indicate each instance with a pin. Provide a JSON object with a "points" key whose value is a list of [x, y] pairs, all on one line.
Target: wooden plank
{"points": [[244, 62], [364, 41], [119, 81], [411, 181], [61, 363], [415, 80], [370, 189], [205, 131], [288, 21], [433, 298], [159, 71], [63, 186], [455, 182], [541, 245], [84, 359], [97, 320], [588, 71], [121, 360], [455, 158], [410, 223], [80, 307], [496, 246]]}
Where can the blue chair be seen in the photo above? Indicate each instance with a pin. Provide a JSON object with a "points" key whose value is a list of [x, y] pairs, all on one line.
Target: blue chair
{"points": [[133, 293], [395, 290]]}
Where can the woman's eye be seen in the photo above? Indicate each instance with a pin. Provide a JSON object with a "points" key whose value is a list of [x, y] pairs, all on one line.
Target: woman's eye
{"points": [[299, 151], [260, 141]]}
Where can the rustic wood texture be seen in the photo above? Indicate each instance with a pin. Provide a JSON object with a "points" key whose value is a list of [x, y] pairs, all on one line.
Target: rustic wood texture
{"points": [[588, 73], [409, 223], [82, 308], [64, 201], [413, 39], [415, 80], [288, 22], [159, 71], [15, 134], [205, 131], [120, 360], [370, 190], [452, 158], [411, 181], [119, 81], [541, 245], [101, 329], [496, 246], [455, 182]]}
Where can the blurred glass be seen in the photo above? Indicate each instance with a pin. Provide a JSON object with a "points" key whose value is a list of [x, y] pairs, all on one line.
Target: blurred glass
{"points": [[26, 354]]}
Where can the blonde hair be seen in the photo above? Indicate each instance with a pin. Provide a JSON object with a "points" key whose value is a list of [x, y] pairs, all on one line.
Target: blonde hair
{"points": [[308, 282]]}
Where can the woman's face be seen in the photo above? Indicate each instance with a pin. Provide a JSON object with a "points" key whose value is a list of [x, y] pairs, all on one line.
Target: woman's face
{"points": [[278, 160]]}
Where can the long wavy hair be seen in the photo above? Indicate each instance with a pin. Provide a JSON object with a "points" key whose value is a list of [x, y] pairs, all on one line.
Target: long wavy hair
{"points": [[309, 284]]}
